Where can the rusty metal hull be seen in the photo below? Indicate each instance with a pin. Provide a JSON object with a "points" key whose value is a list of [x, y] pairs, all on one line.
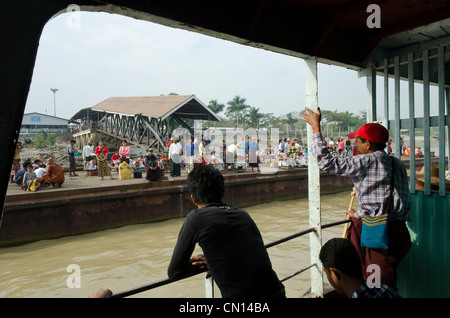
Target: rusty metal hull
{"points": [[76, 211]]}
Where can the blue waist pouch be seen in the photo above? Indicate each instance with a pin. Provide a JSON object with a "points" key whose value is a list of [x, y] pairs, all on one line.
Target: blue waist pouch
{"points": [[374, 232]]}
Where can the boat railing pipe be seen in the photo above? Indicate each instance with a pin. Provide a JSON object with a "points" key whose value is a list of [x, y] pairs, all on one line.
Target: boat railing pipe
{"points": [[167, 281]]}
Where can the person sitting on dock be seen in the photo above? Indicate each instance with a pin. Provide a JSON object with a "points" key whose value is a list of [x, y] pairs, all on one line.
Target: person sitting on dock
{"points": [[54, 176], [151, 165], [234, 251], [342, 266], [381, 185], [29, 180], [18, 179], [37, 164]]}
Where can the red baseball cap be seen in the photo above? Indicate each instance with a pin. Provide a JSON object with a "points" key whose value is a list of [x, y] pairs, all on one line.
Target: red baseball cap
{"points": [[373, 132]]}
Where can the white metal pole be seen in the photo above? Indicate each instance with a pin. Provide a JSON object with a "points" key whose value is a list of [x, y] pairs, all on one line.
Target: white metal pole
{"points": [[412, 130], [311, 93], [209, 287], [441, 81], [398, 147], [386, 94], [426, 120], [371, 107]]}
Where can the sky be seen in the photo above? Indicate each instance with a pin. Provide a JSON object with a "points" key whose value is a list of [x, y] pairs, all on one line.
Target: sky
{"points": [[106, 55]]}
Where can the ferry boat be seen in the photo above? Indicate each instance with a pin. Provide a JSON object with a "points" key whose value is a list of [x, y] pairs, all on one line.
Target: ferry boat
{"points": [[397, 40]]}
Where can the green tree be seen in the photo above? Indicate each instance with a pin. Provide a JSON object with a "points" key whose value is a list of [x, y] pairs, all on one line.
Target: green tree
{"points": [[215, 106], [268, 120], [39, 141], [236, 108], [51, 139], [254, 117], [290, 120]]}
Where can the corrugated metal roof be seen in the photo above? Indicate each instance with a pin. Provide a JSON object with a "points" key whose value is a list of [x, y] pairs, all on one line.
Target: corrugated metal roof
{"points": [[156, 106]]}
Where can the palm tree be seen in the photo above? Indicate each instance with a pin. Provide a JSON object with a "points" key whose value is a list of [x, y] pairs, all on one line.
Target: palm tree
{"points": [[215, 106], [235, 108], [254, 116], [290, 120]]}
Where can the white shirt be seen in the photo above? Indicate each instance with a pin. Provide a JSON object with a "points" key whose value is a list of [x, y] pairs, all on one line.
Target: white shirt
{"points": [[201, 149], [175, 152], [232, 148], [88, 151], [40, 172]]}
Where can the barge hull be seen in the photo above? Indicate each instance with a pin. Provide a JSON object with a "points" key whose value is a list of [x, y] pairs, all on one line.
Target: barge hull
{"points": [[29, 217]]}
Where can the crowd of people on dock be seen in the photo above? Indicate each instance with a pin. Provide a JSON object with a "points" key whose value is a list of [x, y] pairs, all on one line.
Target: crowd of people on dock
{"points": [[31, 175], [179, 156]]}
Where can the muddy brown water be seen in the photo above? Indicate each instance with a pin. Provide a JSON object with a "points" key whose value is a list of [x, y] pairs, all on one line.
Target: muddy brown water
{"points": [[131, 256]]}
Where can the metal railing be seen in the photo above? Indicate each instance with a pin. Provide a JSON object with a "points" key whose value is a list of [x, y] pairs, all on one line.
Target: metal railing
{"points": [[167, 281]]}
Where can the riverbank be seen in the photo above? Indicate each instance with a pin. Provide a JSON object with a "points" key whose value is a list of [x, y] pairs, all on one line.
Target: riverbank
{"points": [[86, 204]]}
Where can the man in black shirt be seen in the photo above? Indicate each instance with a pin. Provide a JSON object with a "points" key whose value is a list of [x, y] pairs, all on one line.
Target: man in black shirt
{"points": [[231, 242]]}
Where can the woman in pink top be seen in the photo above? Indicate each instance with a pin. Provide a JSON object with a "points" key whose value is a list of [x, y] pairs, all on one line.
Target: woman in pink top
{"points": [[124, 152], [340, 146]]}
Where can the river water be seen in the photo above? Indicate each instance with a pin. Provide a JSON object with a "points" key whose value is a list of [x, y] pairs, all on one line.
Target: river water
{"points": [[131, 256]]}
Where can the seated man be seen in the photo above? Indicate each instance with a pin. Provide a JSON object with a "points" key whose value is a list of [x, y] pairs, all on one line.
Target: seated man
{"points": [[18, 179], [40, 172], [54, 176], [232, 244], [342, 266]]}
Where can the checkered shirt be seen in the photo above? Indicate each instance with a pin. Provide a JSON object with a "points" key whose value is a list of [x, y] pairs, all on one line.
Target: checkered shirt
{"points": [[371, 175], [384, 291]]}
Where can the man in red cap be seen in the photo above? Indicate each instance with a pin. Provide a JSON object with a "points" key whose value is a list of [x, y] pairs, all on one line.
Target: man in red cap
{"points": [[381, 186]]}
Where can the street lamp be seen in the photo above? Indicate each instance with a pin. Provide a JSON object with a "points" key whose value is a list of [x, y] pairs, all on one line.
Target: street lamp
{"points": [[54, 90]]}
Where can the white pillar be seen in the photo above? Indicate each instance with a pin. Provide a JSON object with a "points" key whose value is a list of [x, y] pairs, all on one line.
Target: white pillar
{"points": [[209, 287], [371, 106], [311, 93]]}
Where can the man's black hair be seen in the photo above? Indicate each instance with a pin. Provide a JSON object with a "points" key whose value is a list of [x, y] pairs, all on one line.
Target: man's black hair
{"points": [[374, 146], [26, 164], [340, 253], [206, 184]]}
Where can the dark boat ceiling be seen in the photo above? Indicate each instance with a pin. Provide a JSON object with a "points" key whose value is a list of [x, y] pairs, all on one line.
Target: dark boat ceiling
{"points": [[335, 31]]}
